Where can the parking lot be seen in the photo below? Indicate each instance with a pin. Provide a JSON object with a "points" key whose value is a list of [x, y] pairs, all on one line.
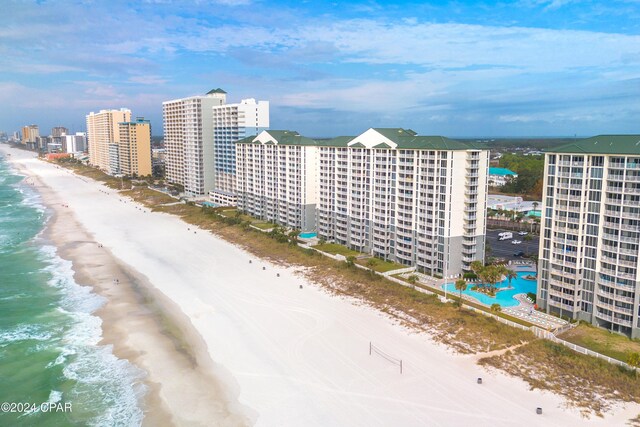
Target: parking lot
{"points": [[506, 249]]}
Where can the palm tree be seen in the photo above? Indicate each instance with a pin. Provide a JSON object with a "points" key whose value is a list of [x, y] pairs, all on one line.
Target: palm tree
{"points": [[461, 285], [476, 267], [511, 275], [496, 308]]}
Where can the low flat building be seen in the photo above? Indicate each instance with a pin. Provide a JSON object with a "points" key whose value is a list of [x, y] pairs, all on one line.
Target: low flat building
{"points": [[500, 176]]}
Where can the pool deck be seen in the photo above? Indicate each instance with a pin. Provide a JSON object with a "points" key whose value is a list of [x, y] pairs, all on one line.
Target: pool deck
{"points": [[524, 310]]}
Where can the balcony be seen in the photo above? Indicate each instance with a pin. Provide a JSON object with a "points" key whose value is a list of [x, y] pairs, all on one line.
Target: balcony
{"points": [[562, 305]]}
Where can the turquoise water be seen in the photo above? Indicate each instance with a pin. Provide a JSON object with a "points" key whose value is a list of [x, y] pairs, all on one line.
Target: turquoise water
{"points": [[505, 297], [49, 337], [308, 235]]}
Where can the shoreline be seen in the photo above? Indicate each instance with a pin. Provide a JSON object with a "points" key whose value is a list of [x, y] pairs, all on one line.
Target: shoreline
{"points": [[300, 357], [142, 326]]}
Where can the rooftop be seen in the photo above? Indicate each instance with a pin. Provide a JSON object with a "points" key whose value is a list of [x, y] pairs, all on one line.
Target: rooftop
{"points": [[501, 172], [387, 138], [602, 144]]}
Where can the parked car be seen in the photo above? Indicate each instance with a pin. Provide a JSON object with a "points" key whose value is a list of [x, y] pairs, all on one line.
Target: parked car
{"points": [[522, 233], [518, 254], [516, 242]]}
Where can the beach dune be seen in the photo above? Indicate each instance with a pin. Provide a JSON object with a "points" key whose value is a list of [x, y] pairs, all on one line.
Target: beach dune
{"points": [[283, 355]]}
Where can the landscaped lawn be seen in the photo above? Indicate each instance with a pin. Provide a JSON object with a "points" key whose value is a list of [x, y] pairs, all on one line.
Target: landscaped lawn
{"points": [[381, 266], [602, 341], [334, 248]]}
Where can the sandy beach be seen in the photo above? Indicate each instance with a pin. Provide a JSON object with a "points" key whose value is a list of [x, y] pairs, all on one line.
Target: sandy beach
{"points": [[229, 342]]}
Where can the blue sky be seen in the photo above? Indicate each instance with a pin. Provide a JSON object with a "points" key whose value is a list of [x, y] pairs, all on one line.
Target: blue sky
{"points": [[459, 69]]}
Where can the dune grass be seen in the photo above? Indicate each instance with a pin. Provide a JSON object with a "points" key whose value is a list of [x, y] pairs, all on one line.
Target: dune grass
{"points": [[586, 382], [600, 340]]}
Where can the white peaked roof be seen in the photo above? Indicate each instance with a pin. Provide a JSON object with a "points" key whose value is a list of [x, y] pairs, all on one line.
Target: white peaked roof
{"points": [[371, 138]]}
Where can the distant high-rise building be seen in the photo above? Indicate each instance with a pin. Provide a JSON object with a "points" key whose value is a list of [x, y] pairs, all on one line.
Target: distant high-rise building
{"points": [[74, 143], [589, 260], [188, 140], [30, 136], [232, 122], [58, 131], [103, 131], [134, 148]]}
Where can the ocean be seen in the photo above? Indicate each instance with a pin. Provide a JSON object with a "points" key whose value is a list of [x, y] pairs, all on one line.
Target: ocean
{"points": [[52, 370]]}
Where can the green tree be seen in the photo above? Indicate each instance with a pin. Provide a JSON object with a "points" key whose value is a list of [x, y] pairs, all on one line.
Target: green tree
{"points": [[511, 275], [461, 286], [496, 308], [476, 267]]}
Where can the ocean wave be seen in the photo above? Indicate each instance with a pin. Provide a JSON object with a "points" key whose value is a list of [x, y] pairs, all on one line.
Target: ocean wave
{"points": [[120, 384], [92, 367], [24, 332]]}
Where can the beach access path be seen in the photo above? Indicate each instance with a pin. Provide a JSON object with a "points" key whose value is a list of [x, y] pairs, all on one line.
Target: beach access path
{"points": [[300, 356]]}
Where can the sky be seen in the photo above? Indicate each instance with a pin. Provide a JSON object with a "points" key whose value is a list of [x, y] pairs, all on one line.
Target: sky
{"points": [[452, 68]]}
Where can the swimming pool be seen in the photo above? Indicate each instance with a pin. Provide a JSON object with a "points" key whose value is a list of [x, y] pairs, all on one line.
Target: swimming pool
{"points": [[504, 298], [308, 235]]}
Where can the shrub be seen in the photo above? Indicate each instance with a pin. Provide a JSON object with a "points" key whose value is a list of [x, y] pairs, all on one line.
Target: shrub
{"points": [[470, 275], [532, 296]]}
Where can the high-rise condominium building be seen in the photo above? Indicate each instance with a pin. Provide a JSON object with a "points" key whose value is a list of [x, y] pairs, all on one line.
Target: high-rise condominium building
{"points": [[188, 140], [103, 136], [590, 238], [59, 131], [232, 122], [74, 143], [416, 200], [30, 135], [134, 148], [277, 178]]}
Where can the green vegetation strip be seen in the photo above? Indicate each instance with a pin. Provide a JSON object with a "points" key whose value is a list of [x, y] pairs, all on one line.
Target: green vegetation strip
{"points": [[602, 341]]}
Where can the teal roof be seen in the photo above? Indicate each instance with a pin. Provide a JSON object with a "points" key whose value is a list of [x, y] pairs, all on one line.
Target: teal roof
{"points": [[501, 172], [218, 90], [601, 144]]}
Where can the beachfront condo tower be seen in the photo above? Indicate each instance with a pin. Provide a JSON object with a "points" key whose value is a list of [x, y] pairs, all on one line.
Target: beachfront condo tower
{"points": [[188, 140], [134, 148], [103, 136], [232, 122], [199, 137], [416, 200], [30, 136], [590, 237], [277, 178]]}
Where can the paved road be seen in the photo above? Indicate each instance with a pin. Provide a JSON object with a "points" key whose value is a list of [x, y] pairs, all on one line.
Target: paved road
{"points": [[505, 249]]}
